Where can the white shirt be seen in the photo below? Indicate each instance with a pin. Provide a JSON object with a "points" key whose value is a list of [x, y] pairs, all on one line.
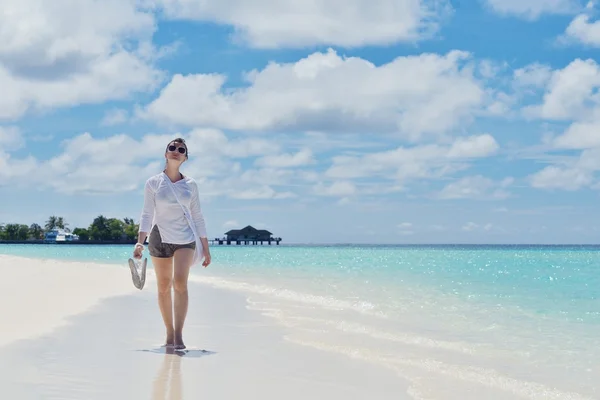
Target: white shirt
{"points": [[161, 208]]}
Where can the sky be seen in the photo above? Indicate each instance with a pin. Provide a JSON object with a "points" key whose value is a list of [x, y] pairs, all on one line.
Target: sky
{"points": [[355, 121]]}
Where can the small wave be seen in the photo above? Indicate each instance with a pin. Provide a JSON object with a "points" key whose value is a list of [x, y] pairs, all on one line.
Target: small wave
{"points": [[285, 318], [423, 372], [476, 375], [351, 327], [330, 303]]}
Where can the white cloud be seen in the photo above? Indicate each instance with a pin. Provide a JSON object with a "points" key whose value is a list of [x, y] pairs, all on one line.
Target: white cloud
{"points": [[268, 176], [104, 165], [470, 226], [489, 69], [115, 117], [584, 31], [41, 138], [580, 135], [45, 40], [68, 52], [337, 188], [571, 92], [438, 228], [214, 162], [265, 192], [100, 178], [381, 188], [589, 159], [121, 163], [473, 147], [323, 141], [412, 95], [406, 163], [114, 149], [10, 138], [571, 174], [208, 142], [500, 104], [534, 75], [565, 178], [405, 229], [533, 9], [289, 23], [302, 157], [229, 185], [309, 176], [230, 224], [12, 169], [476, 187]]}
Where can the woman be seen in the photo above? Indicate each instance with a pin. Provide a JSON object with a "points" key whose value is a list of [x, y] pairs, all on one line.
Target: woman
{"points": [[177, 239]]}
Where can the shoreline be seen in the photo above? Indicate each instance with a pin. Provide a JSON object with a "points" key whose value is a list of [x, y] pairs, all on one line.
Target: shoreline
{"points": [[71, 242], [328, 244]]}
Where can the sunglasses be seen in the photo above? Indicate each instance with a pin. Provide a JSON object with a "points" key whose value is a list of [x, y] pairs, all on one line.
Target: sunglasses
{"points": [[182, 150]]}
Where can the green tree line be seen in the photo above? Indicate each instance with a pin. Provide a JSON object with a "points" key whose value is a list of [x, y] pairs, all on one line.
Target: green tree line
{"points": [[101, 228]]}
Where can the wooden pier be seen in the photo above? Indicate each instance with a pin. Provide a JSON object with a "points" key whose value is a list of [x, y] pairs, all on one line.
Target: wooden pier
{"points": [[245, 242], [246, 236]]}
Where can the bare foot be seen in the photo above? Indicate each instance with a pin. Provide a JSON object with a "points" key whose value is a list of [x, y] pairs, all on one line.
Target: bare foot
{"points": [[170, 341], [179, 342]]}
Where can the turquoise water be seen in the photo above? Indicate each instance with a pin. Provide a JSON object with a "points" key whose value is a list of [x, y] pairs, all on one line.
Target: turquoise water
{"points": [[558, 281], [531, 313]]}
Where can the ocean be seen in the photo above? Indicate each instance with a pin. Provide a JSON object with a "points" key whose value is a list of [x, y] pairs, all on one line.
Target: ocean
{"points": [[486, 322]]}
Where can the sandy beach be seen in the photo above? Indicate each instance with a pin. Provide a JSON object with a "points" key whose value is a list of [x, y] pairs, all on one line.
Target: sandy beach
{"points": [[73, 330]]}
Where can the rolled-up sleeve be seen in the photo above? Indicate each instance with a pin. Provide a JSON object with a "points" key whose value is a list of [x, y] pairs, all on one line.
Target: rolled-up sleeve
{"points": [[196, 211], [147, 216]]}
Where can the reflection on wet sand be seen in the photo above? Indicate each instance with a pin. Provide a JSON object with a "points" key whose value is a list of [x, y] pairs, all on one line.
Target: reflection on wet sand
{"points": [[168, 381]]}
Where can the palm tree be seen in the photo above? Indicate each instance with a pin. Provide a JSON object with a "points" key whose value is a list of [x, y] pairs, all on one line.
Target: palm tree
{"points": [[60, 223], [51, 223], [99, 229], [55, 222], [35, 231]]}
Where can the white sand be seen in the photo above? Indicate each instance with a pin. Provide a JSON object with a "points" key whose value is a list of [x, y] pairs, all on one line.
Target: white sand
{"points": [[39, 295], [82, 331]]}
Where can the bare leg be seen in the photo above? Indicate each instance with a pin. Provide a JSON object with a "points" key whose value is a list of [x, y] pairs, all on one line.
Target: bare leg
{"points": [[183, 261], [163, 267]]}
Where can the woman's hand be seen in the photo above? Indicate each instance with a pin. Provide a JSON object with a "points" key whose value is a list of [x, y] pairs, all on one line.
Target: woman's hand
{"points": [[137, 251], [206, 257]]}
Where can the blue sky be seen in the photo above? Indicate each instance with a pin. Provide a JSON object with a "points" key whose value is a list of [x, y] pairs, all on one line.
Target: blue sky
{"points": [[360, 121]]}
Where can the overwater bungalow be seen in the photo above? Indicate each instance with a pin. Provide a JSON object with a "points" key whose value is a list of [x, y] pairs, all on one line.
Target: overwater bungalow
{"points": [[247, 235]]}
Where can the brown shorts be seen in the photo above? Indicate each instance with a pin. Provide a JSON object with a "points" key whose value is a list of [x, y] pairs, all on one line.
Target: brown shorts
{"points": [[164, 250]]}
